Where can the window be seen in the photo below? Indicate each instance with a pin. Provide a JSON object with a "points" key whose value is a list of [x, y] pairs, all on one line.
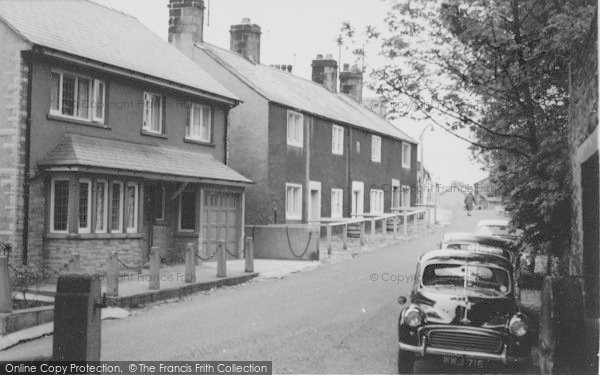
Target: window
{"points": [[293, 202], [376, 149], [337, 202], [77, 97], [187, 210], [406, 155], [376, 201], [59, 205], [152, 113], [405, 196], [159, 200], [132, 207], [295, 129], [337, 140], [199, 125], [101, 206], [116, 207], [85, 206], [395, 193]]}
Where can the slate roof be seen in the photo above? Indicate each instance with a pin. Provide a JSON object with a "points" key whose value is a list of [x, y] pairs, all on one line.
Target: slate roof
{"points": [[296, 92], [99, 33], [92, 152]]}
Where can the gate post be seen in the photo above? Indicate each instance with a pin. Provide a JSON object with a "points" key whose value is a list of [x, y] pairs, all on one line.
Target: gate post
{"points": [[77, 318], [154, 282], [221, 260], [190, 263], [249, 255], [112, 274], [5, 294], [329, 246]]}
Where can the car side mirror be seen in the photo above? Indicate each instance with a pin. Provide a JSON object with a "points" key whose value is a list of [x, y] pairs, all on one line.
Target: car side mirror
{"points": [[402, 300]]}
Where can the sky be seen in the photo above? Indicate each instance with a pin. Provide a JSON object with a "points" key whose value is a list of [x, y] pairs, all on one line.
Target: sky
{"points": [[294, 32]]}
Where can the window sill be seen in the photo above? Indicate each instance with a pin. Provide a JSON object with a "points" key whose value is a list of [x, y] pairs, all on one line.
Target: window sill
{"points": [[151, 134], [56, 117], [295, 145], [92, 236], [186, 234], [198, 142], [405, 166]]}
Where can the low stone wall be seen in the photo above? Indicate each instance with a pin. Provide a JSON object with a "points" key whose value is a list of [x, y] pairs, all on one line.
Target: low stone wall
{"points": [[281, 242], [21, 319]]}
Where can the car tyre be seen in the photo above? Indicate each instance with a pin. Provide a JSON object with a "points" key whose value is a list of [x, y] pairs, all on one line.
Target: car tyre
{"points": [[406, 361]]}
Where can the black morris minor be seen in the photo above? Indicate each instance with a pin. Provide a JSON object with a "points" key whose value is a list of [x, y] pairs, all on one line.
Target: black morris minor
{"points": [[462, 307]]}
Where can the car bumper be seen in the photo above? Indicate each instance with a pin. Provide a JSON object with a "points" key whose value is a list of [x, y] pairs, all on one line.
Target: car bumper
{"points": [[502, 357]]}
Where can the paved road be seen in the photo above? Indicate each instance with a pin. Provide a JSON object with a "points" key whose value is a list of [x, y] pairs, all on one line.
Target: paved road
{"points": [[334, 319]]}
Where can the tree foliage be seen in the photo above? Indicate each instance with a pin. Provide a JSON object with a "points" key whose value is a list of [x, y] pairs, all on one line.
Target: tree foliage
{"points": [[500, 69]]}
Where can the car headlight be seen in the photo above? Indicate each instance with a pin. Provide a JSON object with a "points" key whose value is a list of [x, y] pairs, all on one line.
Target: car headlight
{"points": [[413, 317], [518, 325]]}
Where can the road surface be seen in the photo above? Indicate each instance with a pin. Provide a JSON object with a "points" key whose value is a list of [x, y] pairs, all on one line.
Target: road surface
{"points": [[340, 318]]}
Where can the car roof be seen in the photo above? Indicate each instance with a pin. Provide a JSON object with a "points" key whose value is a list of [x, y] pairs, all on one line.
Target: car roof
{"points": [[493, 222], [461, 256], [482, 239]]}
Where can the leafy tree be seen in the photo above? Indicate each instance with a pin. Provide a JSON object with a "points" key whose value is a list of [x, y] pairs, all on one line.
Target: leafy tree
{"points": [[501, 70]]}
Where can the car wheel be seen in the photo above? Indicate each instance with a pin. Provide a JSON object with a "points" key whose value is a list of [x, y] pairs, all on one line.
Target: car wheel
{"points": [[406, 360]]}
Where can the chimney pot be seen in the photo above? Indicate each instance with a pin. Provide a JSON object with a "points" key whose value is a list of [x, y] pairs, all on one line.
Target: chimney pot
{"points": [[329, 56], [245, 21], [319, 56]]}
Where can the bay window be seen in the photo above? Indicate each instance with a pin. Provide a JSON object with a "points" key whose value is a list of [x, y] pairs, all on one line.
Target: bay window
{"points": [[59, 205], [85, 206]]}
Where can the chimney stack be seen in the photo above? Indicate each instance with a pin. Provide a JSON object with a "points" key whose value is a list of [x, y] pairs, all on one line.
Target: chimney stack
{"points": [[245, 40], [351, 82], [324, 71], [186, 22]]}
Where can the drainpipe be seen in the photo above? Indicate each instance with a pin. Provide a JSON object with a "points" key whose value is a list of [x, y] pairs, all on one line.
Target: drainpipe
{"points": [[26, 191], [225, 132], [349, 196]]}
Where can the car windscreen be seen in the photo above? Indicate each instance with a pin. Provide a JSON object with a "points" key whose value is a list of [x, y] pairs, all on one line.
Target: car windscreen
{"points": [[494, 230], [477, 276]]}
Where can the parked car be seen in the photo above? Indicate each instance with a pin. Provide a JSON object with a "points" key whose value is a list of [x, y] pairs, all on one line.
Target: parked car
{"points": [[463, 309], [481, 243], [501, 228]]}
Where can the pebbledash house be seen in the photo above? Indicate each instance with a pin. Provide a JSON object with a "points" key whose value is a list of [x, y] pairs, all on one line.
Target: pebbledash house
{"points": [[110, 139], [313, 152]]}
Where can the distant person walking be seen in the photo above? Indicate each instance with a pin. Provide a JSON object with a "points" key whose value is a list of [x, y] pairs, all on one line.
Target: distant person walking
{"points": [[469, 203]]}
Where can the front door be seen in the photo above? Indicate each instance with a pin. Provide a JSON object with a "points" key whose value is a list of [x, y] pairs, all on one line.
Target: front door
{"points": [[358, 198], [314, 201], [222, 221]]}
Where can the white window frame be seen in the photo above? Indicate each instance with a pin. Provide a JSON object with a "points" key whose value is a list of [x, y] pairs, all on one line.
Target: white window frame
{"points": [[136, 207], [147, 113], [88, 228], [375, 148], [295, 130], [337, 200], [105, 210], [121, 208], [404, 189], [337, 140], [396, 190], [376, 204], [406, 160], [92, 97], [52, 205], [297, 213], [188, 129], [179, 212]]}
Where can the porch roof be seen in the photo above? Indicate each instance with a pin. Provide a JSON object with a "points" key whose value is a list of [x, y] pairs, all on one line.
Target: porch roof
{"points": [[78, 152]]}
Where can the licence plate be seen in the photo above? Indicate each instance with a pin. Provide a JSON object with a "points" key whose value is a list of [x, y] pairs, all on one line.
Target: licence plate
{"points": [[464, 362]]}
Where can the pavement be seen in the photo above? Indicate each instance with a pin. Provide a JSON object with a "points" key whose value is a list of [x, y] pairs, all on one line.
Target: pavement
{"points": [[340, 318]]}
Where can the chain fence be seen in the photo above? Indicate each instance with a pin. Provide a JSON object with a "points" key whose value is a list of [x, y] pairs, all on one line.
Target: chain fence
{"points": [[287, 232]]}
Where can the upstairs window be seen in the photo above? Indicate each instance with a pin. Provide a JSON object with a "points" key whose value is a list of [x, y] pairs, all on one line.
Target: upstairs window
{"points": [[406, 155], [376, 149], [295, 129], [199, 126], [153, 107], [337, 140], [77, 97]]}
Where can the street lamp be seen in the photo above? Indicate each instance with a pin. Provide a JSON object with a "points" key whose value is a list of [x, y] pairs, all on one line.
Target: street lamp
{"points": [[430, 127]]}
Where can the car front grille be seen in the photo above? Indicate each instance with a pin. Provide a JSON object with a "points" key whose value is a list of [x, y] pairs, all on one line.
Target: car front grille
{"points": [[467, 341]]}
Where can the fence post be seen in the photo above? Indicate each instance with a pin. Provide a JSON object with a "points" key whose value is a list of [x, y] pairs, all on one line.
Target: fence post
{"points": [[221, 260], [396, 226], [75, 263], [329, 239], [362, 233], [154, 282], [249, 254], [405, 223], [112, 270], [427, 217], [345, 236], [384, 227], [77, 318], [190, 263], [5, 294], [372, 227]]}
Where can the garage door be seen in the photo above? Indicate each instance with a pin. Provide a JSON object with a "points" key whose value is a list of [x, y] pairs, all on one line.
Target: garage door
{"points": [[221, 221]]}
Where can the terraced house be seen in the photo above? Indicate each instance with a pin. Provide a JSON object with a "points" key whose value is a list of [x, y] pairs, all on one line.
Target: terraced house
{"points": [[111, 139], [312, 152]]}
